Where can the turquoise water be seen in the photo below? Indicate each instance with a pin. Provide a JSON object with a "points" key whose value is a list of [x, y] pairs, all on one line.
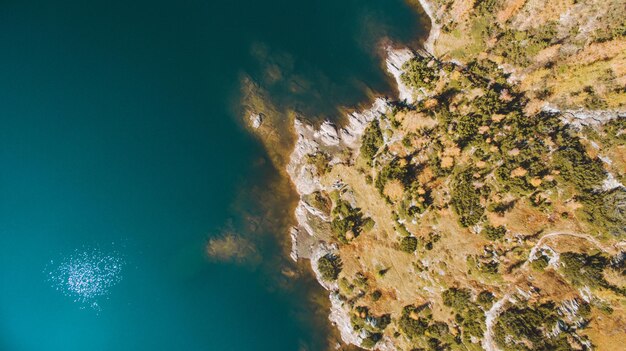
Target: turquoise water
{"points": [[118, 135]]}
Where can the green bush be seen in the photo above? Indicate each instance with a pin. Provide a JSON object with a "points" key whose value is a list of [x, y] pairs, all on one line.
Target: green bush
{"points": [[488, 267], [408, 244], [488, 104], [418, 75], [329, 267], [321, 162], [376, 295], [520, 47], [611, 32], [401, 228], [494, 233], [319, 200], [346, 218], [488, 70], [606, 211], [466, 200], [412, 327], [486, 7], [368, 224], [577, 167], [584, 270], [485, 299], [371, 340], [500, 207], [540, 263], [466, 128], [524, 328], [371, 142], [392, 170], [457, 299]]}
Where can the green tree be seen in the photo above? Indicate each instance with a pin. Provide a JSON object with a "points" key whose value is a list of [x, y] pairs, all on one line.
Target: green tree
{"points": [[329, 267], [372, 141], [466, 200]]}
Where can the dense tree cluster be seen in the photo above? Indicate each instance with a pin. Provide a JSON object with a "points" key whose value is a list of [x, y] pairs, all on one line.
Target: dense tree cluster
{"points": [[408, 244], [525, 328], [466, 199], [420, 73], [329, 267], [494, 233], [584, 270], [372, 140], [468, 314], [347, 221]]}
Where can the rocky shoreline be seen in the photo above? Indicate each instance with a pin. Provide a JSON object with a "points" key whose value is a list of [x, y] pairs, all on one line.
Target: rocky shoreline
{"points": [[308, 243]]}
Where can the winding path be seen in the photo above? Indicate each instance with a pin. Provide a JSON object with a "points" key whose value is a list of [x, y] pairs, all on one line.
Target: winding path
{"points": [[493, 313]]}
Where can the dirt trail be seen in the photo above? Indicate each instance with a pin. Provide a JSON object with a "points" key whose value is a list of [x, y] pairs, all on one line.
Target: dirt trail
{"points": [[491, 315]]}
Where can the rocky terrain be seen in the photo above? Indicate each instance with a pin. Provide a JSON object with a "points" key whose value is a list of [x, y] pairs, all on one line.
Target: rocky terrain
{"points": [[485, 207]]}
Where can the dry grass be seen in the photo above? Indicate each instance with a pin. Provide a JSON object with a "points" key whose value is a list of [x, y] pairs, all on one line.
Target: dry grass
{"points": [[535, 13], [607, 332], [394, 190], [599, 52], [461, 9], [413, 121], [509, 8]]}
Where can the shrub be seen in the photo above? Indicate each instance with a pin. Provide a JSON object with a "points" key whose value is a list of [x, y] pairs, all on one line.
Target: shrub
{"points": [[411, 325], [540, 263], [520, 47], [401, 228], [466, 200], [488, 104], [489, 267], [329, 267], [371, 340], [376, 295], [582, 269], [485, 298], [455, 298], [473, 321], [371, 142], [346, 219], [606, 211], [321, 162], [320, 200], [486, 7], [577, 167], [417, 74], [408, 244], [466, 128], [396, 169], [494, 233], [345, 287], [518, 326], [500, 207], [368, 224]]}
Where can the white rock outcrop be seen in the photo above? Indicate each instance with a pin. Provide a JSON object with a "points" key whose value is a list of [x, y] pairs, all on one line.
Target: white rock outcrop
{"points": [[396, 58], [256, 119]]}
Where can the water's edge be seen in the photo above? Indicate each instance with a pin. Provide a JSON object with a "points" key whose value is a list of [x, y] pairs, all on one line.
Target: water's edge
{"points": [[305, 138]]}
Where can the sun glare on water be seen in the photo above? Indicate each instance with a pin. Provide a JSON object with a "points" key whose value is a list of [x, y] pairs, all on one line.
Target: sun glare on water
{"points": [[86, 275]]}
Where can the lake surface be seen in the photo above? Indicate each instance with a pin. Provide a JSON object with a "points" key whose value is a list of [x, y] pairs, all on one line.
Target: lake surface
{"points": [[121, 155]]}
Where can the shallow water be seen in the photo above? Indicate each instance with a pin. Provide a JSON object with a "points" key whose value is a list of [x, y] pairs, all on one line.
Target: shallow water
{"points": [[119, 144]]}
